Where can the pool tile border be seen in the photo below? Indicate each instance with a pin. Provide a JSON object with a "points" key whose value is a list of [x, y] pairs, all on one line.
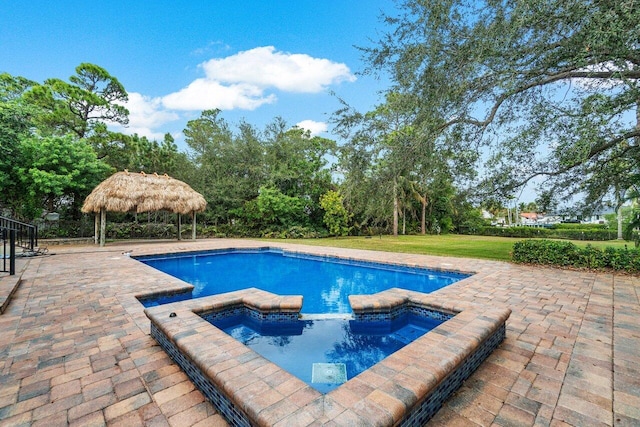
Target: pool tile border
{"points": [[406, 388]]}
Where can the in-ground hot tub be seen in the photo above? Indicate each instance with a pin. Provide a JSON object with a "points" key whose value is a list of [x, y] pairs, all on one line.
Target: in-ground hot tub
{"points": [[406, 388]]}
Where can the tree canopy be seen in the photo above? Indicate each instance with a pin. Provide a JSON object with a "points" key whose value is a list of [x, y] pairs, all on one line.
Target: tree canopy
{"points": [[90, 97], [485, 97], [55, 144], [549, 88]]}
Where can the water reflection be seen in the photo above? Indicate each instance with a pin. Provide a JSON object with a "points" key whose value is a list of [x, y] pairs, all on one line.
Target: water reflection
{"points": [[296, 346], [325, 285]]}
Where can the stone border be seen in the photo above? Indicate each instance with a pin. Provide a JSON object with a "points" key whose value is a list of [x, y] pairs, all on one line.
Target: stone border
{"points": [[405, 388], [10, 284]]}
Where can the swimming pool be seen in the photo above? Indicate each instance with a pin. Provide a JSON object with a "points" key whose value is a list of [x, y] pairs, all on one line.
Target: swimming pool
{"points": [[324, 282], [405, 388]]}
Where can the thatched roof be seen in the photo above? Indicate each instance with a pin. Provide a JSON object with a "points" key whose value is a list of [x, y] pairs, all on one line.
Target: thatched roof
{"points": [[140, 192]]}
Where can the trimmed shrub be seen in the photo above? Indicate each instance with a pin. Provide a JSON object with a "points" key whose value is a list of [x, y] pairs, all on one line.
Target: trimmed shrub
{"points": [[295, 232], [584, 234], [522, 232], [136, 230], [573, 226], [546, 252], [569, 233], [566, 254]]}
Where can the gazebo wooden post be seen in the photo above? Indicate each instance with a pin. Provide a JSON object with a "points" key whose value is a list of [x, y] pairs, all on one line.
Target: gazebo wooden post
{"points": [[179, 227], [193, 230], [103, 225], [96, 226]]}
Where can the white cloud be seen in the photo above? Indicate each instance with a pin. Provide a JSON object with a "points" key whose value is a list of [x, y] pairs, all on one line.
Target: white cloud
{"points": [[264, 68], [145, 115], [204, 94], [148, 112], [242, 81], [245, 81], [316, 128]]}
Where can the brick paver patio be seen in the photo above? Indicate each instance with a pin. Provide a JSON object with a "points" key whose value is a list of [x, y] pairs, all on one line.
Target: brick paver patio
{"points": [[75, 346]]}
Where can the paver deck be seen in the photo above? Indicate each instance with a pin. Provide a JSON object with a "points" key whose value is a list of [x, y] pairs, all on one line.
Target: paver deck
{"points": [[75, 347]]}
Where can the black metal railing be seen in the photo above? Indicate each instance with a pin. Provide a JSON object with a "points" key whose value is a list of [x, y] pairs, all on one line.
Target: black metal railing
{"points": [[8, 250], [16, 234]]}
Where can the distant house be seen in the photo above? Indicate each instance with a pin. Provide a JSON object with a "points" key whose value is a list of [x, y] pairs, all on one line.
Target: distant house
{"points": [[598, 218], [534, 219], [529, 218], [495, 220]]}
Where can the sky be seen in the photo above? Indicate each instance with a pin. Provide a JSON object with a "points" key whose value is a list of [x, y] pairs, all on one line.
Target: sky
{"points": [[253, 59]]}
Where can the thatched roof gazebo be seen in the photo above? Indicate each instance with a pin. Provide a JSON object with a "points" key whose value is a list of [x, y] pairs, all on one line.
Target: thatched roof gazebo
{"points": [[140, 192]]}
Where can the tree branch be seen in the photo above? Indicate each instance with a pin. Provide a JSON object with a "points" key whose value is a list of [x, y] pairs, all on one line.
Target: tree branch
{"points": [[551, 78], [593, 152]]}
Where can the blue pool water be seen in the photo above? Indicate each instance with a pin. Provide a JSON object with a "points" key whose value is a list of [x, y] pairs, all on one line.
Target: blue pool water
{"points": [[302, 346], [324, 283]]}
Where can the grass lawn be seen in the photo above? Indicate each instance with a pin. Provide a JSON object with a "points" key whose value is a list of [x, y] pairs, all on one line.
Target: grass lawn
{"points": [[484, 247]]}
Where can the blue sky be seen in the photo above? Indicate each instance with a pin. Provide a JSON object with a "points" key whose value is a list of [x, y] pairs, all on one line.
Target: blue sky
{"points": [[254, 60]]}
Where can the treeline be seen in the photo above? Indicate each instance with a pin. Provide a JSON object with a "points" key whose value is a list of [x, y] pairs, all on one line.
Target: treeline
{"points": [[56, 146]]}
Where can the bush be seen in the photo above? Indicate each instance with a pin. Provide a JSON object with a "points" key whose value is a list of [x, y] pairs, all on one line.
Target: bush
{"points": [[136, 230], [65, 229], [295, 232], [574, 226], [546, 252], [566, 254], [584, 234], [522, 232], [596, 233]]}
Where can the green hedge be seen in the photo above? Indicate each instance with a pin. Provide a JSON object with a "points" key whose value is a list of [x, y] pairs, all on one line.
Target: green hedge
{"points": [[523, 232], [566, 254], [573, 226], [136, 230], [568, 233], [584, 234]]}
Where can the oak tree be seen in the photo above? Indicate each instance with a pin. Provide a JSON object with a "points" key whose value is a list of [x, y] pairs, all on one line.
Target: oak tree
{"points": [[549, 90]]}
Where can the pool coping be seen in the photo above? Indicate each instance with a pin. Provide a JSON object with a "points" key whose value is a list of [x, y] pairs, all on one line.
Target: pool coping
{"points": [[405, 388]]}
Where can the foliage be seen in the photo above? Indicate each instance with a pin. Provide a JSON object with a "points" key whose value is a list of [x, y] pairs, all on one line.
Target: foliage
{"points": [[567, 254], [274, 211], [295, 232], [136, 230], [336, 216], [55, 171], [467, 220], [65, 228], [545, 252], [395, 170], [231, 167], [579, 227], [45, 163], [14, 125], [548, 88], [296, 164], [588, 234], [632, 225], [56, 145], [91, 96]]}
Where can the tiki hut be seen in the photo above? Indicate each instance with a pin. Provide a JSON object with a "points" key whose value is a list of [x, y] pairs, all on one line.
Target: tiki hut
{"points": [[140, 192]]}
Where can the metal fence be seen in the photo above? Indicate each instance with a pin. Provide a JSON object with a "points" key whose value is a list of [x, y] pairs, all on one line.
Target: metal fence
{"points": [[15, 234]]}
